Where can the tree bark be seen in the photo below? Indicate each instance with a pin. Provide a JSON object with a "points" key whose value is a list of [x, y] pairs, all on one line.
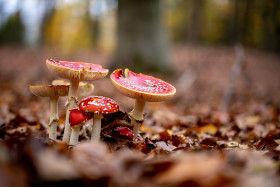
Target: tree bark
{"points": [[142, 42], [196, 21]]}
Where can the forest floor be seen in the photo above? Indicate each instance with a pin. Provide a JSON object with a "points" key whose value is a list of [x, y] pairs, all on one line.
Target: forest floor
{"points": [[195, 139]]}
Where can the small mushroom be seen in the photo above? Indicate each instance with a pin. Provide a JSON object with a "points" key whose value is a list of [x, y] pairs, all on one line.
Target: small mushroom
{"points": [[75, 72], [142, 88], [76, 120], [97, 106], [84, 90], [53, 92]]}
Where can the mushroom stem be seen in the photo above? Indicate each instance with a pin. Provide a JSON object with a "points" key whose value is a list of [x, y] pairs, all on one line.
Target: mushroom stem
{"points": [[53, 117], [96, 128], [136, 127], [137, 115], [74, 136], [71, 103]]}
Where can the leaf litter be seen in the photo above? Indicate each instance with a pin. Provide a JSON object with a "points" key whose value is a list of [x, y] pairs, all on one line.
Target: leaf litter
{"points": [[185, 143]]}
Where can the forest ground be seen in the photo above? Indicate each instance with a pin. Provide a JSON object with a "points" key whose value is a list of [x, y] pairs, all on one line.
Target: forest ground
{"points": [[189, 140]]}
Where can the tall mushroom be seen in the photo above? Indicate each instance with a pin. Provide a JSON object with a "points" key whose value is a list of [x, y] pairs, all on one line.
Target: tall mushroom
{"points": [[53, 92], [75, 72], [76, 120], [142, 88], [97, 106]]}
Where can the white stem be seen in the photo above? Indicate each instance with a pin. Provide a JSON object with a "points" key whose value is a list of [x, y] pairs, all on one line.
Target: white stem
{"points": [[136, 127], [53, 117], [96, 129], [74, 136], [137, 115], [71, 103]]}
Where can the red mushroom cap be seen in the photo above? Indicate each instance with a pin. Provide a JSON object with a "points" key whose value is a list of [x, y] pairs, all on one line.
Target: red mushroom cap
{"points": [[81, 71], [98, 105], [77, 117], [140, 86]]}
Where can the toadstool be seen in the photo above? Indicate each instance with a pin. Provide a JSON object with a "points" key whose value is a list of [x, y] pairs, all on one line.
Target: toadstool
{"points": [[53, 92], [75, 72], [142, 88], [97, 106], [76, 121]]}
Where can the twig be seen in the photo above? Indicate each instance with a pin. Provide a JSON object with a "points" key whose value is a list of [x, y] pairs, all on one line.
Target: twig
{"points": [[235, 73]]}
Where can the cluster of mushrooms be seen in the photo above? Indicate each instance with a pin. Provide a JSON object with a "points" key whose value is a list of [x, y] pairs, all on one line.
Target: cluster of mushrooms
{"points": [[141, 87]]}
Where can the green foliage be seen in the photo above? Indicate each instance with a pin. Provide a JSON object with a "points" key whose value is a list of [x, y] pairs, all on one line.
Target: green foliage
{"points": [[12, 30], [254, 23], [70, 28]]}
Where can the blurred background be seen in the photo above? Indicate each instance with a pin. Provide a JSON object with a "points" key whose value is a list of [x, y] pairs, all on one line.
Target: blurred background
{"points": [[99, 24], [210, 50]]}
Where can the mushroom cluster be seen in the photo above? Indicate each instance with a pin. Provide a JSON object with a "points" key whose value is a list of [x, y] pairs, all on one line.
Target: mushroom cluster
{"points": [[74, 72], [90, 107], [142, 88]]}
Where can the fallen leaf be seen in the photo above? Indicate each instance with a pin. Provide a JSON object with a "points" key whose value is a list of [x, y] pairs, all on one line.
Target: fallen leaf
{"points": [[165, 135], [164, 146], [267, 143], [210, 129]]}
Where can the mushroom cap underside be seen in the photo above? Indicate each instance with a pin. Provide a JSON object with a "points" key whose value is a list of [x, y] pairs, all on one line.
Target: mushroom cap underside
{"points": [[140, 86], [80, 71], [49, 90]]}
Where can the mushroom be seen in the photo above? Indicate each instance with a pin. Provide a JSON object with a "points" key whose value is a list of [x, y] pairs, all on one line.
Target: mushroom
{"points": [[76, 121], [75, 72], [142, 88], [53, 92], [97, 106], [84, 90]]}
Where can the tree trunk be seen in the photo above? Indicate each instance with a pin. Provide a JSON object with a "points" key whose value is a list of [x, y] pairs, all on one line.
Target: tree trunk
{"points": [[196, 21], [142, 42], [236, 24]]}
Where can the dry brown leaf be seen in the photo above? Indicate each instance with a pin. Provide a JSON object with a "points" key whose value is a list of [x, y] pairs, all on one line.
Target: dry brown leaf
{"points": [[165, 135], [210, 129], [267, 143], [93, 160], [202, 169], [165, 147], [53, 166]]}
